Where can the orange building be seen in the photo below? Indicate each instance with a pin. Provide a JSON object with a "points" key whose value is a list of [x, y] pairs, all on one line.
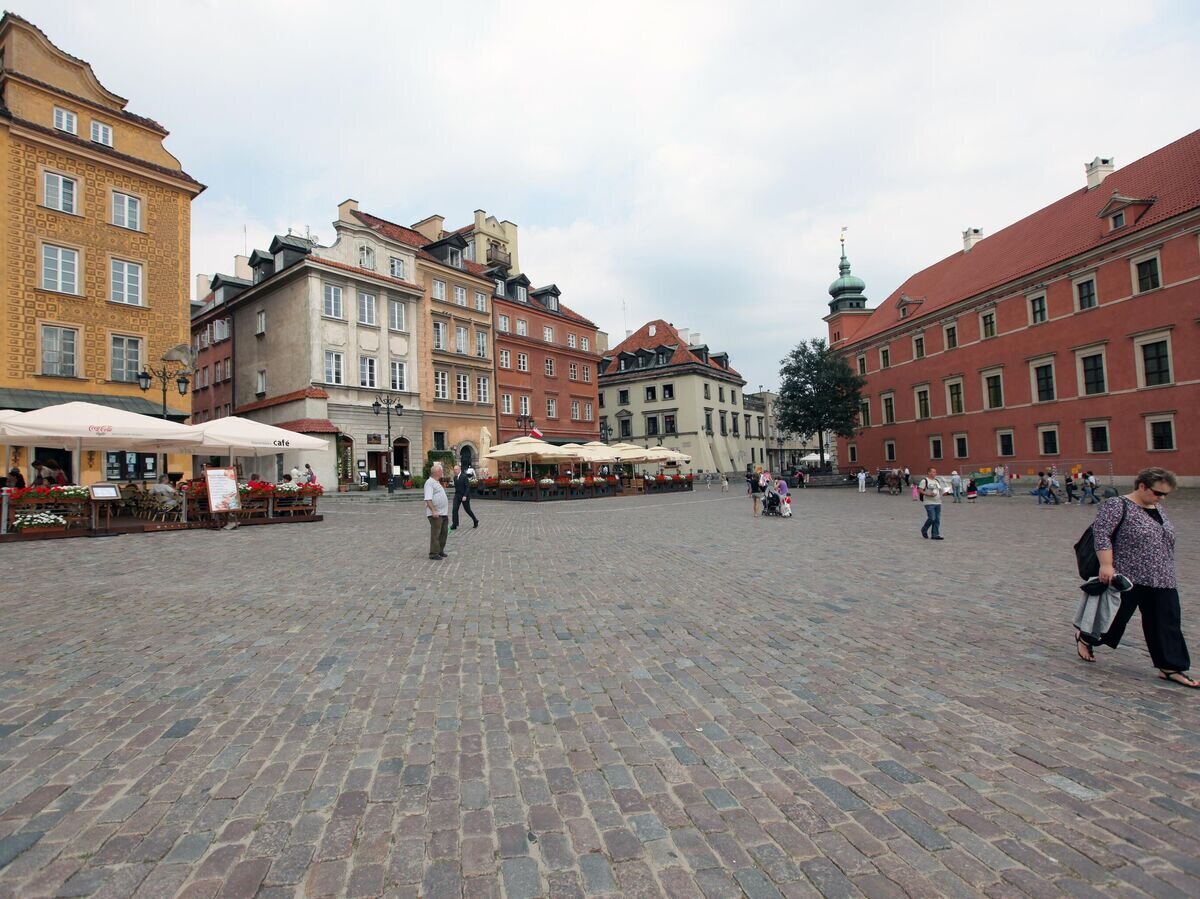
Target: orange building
{"points": [[1067, 339]]}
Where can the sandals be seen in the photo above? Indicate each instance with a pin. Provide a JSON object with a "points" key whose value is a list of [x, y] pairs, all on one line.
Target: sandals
{"points": [[1178, 677], [1083, 649]]}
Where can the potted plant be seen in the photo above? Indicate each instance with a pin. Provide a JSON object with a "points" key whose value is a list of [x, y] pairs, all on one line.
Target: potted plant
{"points": [[30, 523]]}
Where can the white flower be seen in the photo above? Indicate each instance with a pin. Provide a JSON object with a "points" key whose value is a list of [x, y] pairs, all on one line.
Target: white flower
{"points": [[38, 520]]}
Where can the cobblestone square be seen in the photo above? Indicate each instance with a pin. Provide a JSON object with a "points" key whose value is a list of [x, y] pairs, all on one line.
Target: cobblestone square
{"points": [[648, 696]]}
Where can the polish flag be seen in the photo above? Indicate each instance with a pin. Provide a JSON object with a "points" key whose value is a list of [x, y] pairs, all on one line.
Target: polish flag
{"points": [[536, 432]]}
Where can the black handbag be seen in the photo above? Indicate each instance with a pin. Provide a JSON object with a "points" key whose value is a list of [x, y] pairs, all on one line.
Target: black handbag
{"points": [[1086, 559]]}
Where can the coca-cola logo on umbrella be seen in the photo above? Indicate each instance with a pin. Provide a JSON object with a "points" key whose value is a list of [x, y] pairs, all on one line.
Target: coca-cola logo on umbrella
{"points": [[100, 429]]}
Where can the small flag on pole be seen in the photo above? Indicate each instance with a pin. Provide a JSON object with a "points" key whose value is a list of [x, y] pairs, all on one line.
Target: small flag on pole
{"points": [[535, 432]]}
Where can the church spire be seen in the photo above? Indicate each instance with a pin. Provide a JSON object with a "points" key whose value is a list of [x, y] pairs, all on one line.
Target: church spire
{"points": [[847, 290]]}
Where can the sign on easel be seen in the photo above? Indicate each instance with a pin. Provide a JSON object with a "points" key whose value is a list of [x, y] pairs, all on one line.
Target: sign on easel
{"points": [[223, 493]]}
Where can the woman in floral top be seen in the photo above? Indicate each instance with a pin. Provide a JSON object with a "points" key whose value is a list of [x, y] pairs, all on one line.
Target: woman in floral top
{"points": [[1143, 551]]}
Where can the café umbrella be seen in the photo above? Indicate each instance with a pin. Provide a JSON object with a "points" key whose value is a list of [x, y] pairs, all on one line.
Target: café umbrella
{"points": [[233, 433]]}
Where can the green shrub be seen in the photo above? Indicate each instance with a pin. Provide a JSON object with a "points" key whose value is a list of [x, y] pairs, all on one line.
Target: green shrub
{"points": [[418, 481], [444, 456]]}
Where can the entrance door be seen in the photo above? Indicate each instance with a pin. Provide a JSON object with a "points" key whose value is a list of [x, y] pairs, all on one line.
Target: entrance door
{"points": [[378, 462], [400, 453], [465, 455]]}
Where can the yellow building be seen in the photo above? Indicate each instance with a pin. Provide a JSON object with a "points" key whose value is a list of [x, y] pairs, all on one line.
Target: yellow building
{"points": [[94, 247]]}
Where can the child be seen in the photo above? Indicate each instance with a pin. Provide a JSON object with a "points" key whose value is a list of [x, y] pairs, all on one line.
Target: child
{"points": [[724, 483], [971, 491]]}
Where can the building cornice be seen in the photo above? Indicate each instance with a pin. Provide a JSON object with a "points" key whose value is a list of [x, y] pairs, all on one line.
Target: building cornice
{"points": [[687, 368]]}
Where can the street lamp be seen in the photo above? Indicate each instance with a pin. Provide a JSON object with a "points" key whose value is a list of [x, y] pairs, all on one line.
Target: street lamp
{"points": [[779, 443], [164, 375], [525, 423], [389, 403], [605, 432]]}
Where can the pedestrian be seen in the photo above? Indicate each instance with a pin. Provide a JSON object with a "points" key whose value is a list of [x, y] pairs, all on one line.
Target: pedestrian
{"points": [[708, 480], [310, 476], [862, 480], [931, 494], [437, 506], [755, 487], [296, 475], [906, 476], [16, 480], [462, 496], [1042, 490], [724, 483], [1088, 483], [1069, 483], [1134, 537], [972, 491], [956, 486]]}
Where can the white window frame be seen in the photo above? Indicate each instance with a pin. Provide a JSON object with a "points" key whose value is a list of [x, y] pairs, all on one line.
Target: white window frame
{"points": [[522, 362], [1075, 296], [522, 294], [506, 406], [885, 357], [983, 386], [1046, 429], [860, 362], [523, 405], [1151, 420], [864, 401], [483, 389], [60, 331], [260, 382], [522, 328], [587, 374], [587, 412], [462, 387], [1034, 365], [460, 295], [964, 436], [575, 410], [547, 334], [481, 346], [65, 120], [66, 278], [1135, 261], [398, 368], [1029, 308], [396, 267], [551, 407], [462, 339], [397, 322], [941, 454], [917, 391], [1082, 353], [505, 359], [1087, 436], [332, 306], [924, 350], [366, 308], [66, 192], [852, 452], [335, 367], [571, 340], [260, 322], [883, 406], [125, 280], [889, 450], [946, 328], [480, 301], [962, 393], [439, 289], [126, 211], [439, 335], [102, 133], [983, 317], [1011, 433], [573, 371], [368, 372], [128, 340], [503, 323], [1139, 359], [549, 367], [366, 257], [585, 344], [441, 385]]}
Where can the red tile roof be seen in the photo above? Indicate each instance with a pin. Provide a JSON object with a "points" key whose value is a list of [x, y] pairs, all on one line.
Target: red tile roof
{"points": [[309, 426], [664, 335], [414, 239], [312, 393], [1056, 233], [364, 271]]}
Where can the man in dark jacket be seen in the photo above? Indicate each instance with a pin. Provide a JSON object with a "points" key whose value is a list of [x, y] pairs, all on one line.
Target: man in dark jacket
{"points": [[462, 497]]}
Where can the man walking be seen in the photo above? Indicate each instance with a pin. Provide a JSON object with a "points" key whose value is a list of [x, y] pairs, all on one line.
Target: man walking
{"points": [[956, 486], [907, 475], [437, 506], [862, 480], [931, 495], [462, 496]]}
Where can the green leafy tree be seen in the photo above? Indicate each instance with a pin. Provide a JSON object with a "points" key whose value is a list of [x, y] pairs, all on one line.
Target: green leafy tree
{"points": [[818, 394]]}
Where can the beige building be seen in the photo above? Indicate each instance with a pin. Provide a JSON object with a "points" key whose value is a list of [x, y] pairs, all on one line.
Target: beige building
{"points": [[786, 450], [663, 385]]}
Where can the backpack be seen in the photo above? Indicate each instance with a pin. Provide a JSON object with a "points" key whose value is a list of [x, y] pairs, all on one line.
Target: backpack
{"points": [[1086, 559]]}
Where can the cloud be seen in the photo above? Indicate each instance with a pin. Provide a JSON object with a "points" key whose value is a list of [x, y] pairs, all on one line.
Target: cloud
{"points": [[690, 161]]}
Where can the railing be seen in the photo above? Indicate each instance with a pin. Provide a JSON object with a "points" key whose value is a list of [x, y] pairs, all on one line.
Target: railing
{"points": [[497, 256]]}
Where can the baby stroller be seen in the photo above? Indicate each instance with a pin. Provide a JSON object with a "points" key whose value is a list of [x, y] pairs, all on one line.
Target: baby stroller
{"points": [[772, 503]]}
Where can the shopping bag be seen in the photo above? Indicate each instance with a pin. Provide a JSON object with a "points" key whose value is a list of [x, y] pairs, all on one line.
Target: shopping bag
{"points": [[1096, 613]]}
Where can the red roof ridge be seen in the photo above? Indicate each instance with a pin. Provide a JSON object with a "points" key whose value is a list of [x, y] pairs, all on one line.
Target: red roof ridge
{"points": [[310, 392], [309, 426], [665, 334]]}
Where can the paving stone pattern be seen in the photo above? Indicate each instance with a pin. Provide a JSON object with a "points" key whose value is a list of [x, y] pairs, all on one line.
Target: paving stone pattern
{"points": [[647, 696]]}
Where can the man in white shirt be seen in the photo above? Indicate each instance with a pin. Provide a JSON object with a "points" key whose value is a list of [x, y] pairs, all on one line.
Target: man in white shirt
{"points": [[862, 480], [165, 493], [296, 475], [930, 489], [437, 507]]}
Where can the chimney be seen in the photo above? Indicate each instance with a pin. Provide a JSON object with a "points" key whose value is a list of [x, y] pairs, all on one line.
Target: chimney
{"points": [[696, 340], [1097, 170], [241, 268], [202, 282], [431, 227], [345, 208], [971, 237]]}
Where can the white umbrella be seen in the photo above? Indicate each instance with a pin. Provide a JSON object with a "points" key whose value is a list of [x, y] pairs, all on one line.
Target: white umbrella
{"points": [[234, 433], [82, 426], [811, 457]]}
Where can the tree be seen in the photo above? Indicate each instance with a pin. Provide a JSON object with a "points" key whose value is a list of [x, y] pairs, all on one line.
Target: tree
{"points": [[818, 394]]}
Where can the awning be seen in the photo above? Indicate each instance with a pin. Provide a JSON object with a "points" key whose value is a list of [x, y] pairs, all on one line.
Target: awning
{"points": [[24, 400]]}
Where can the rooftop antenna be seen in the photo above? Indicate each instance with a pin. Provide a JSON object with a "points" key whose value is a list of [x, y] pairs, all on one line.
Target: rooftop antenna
{"points": [[245, 242]]}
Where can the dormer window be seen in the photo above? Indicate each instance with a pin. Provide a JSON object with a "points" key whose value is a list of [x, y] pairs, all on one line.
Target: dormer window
{"points": [[904, 312], [454, 257], [551, 302], [366, 257], [499, 287], [1118, 221], [522, 294]]}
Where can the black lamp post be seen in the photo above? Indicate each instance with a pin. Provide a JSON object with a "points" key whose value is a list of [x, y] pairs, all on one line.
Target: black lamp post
{"points": [[164, 375], [525, 423], [779, 442], [605, 432], [389, 403]]}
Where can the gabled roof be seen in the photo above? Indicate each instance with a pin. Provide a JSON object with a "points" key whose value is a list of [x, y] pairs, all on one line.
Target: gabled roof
{"points": [[1065, 228], [414, 239], [664, 335]]}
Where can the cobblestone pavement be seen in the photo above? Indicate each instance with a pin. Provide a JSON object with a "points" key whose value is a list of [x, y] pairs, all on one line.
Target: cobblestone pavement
{"points": [[641, 696]]}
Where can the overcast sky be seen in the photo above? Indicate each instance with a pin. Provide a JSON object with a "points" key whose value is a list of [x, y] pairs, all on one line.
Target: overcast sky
{"points": [[688, 161]]}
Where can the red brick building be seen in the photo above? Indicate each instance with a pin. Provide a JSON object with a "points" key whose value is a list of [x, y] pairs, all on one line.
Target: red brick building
{"points": [[1070, 338], [212, 341], [547, 364]]}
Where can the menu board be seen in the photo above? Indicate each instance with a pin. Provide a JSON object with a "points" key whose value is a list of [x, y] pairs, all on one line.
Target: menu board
{"points": [[222, 489]]}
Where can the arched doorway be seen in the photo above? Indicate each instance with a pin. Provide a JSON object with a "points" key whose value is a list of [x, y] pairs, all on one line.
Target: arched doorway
{"points": [[400, 453], [466, 455]]}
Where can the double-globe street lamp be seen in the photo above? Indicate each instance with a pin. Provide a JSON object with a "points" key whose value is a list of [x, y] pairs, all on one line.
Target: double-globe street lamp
{"points": [[164, 375], [390, 404], [605, 432], [525, 423]]}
